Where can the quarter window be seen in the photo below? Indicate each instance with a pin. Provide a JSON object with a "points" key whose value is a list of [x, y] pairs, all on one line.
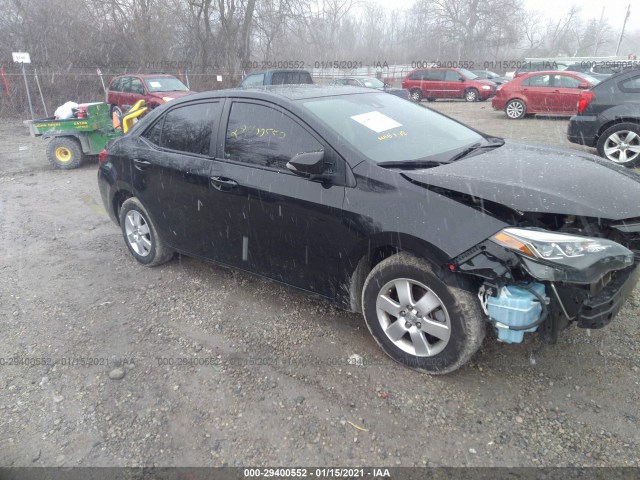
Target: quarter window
{"points": [[632, 85], [188, 129], [261, 135]]}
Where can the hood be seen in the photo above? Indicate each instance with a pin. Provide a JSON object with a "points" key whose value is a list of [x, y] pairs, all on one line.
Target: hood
{"points": [[482, 81], [173, 95], [535, 178], [392, 89]]}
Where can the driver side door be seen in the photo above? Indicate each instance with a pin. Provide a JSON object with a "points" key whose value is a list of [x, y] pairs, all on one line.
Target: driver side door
{"points": [[294, 224]]}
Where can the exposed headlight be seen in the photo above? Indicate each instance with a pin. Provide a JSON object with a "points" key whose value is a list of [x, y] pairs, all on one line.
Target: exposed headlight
{"points": [[167, 99], [485, 87], [560, 257]]}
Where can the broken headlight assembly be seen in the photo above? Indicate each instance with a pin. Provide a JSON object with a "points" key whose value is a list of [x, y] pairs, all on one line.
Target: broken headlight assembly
{"points": [[559, 257]]}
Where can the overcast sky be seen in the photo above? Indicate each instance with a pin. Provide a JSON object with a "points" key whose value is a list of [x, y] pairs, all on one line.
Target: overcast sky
{"points": [[614, 11]]}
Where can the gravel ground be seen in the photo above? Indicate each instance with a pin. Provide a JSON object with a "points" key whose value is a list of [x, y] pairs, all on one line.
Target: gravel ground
{"points": [[193, 364]]}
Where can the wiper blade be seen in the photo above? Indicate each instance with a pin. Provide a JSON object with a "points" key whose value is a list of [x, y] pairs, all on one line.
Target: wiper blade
{"points": [[411, 164], [477, 146]]}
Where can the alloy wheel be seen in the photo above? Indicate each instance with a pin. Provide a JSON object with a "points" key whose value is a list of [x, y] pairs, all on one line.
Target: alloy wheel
{"points": [[138, 234], [622, 146]]}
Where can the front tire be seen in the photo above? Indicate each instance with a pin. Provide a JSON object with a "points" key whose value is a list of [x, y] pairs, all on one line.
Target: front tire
{"points": [[64, 153], [471, 95], [417, 319], [141, 236], [416, 95], [515, 109], [621, 144]]}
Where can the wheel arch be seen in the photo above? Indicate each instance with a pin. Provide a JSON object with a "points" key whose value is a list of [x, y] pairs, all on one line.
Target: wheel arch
{"points": [[369, 253], [605, 126], [119, 197]]}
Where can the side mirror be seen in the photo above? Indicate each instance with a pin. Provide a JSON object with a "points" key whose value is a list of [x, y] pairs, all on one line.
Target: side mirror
{"points": [[310, 165], [461, 79], [584, 86]]}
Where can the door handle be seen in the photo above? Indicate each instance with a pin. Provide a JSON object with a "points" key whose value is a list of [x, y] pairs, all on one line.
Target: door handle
{"points": [[223, 183], [140, 164]]}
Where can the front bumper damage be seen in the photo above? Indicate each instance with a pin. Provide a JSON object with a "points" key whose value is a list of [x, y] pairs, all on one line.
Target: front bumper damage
{"points": [[590, 306]]}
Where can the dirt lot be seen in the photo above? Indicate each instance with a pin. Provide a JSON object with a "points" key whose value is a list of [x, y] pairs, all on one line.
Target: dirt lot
{"points": [[221, 368]]}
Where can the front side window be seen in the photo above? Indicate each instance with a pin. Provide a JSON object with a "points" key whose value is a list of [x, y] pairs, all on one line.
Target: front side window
{"points": [[263, 136], [564, 81], [452, 76], [189, 128], [417, 75]]}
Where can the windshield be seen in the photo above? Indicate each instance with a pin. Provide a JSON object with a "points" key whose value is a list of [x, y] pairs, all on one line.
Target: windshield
{"points": [[165, 84], [372, 83], [386, 128], [467, 74]]}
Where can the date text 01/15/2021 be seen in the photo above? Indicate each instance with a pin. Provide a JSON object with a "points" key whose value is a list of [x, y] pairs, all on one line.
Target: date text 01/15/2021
{"points": [[477, 65], [330, 472]]}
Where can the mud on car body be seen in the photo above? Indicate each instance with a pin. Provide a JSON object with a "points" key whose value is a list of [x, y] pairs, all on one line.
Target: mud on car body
{"points": [[434, 231]]}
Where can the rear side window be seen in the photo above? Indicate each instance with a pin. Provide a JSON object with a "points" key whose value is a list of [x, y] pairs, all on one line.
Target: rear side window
{"points": [[115, 85], [632, 85], [253, 80], [125, 84], [263, 136], [188, 129], [536, 81], [434, 75]]}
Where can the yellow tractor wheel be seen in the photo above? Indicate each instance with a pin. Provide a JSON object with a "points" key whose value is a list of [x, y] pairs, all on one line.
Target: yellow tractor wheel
{"points": [[64, 153]]}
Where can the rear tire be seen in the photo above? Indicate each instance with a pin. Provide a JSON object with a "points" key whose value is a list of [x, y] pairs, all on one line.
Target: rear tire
{"points": [[515, 109], [65, 153], [620, 143], [141, 236], [417, 319]]}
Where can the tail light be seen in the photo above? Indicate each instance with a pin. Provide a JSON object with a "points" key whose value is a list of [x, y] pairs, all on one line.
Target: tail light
{"points": [[584, 100], [102, 156]]}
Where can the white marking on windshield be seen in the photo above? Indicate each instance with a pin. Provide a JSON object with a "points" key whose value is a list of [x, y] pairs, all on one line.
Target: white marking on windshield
{"points": [[376, 121]]}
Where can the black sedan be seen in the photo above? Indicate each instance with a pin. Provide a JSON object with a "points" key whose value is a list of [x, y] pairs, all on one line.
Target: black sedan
{"points": [[371, 82], [609, 118], [434, 231]]}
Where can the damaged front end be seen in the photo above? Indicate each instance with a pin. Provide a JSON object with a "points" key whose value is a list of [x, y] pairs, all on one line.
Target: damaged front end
{"points": [[576, 270]]}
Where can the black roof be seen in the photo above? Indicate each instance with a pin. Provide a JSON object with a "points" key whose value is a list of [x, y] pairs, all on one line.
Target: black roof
{"points": [[289, 92]]}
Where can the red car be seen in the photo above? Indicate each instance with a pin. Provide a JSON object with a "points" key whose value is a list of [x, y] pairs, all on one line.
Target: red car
{"points": [[432, 83], [125, 90], [548, 92]]}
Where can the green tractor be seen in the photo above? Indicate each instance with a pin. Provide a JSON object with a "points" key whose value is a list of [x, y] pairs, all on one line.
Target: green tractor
{"points": [[73, 139]]}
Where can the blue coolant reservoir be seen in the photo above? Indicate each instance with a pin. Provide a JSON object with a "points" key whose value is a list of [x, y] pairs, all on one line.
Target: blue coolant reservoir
{"points": [[516, 307]]}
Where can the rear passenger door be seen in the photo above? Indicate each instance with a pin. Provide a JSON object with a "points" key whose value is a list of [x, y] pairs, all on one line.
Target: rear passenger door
{"points": [[172, 167], [434, 84], [538, 90]]}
